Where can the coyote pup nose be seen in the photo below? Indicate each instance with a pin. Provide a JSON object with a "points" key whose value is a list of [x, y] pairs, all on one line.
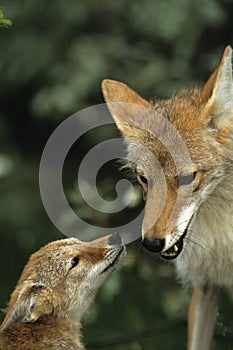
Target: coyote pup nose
{"points": [[115, 239]]}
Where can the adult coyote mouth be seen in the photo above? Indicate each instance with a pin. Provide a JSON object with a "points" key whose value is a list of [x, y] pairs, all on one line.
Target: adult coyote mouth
{"points": [[176, 249]]}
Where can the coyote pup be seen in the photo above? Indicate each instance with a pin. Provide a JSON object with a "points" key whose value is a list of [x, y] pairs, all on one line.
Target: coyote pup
{"points": [[197, 233], [56, 287]]}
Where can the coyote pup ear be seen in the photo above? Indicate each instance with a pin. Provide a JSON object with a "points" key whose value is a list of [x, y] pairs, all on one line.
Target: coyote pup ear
{"points": [[218, 92], [126, 106], [27, 305]]}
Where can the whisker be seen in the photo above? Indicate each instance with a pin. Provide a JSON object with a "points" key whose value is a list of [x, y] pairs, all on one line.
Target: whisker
{"points": [[192, 245], [188, 239], [219, 197], [177, 226], [193, 242]]}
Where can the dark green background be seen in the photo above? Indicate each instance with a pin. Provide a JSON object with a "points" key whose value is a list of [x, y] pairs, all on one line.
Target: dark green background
{"points": [[52, 61]]}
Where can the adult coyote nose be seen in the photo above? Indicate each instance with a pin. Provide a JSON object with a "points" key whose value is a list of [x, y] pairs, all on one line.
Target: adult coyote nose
{"points": [[154, 245]]}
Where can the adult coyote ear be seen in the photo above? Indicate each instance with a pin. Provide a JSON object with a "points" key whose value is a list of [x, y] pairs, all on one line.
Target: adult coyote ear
{"points": [[217, 93], [27, 305], [126, 106]]}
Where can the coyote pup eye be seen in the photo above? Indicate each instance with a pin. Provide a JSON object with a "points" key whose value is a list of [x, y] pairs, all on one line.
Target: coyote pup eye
{"points": [[142, 179], [74, 261], [187, 179]]}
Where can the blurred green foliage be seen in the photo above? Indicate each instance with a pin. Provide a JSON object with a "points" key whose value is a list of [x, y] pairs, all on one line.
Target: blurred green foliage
{"points": [[52, 62], [4, 23]]}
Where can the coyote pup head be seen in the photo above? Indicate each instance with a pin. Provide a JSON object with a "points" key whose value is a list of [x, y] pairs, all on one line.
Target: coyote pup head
{"points": [[179, 150], [62, 278]]}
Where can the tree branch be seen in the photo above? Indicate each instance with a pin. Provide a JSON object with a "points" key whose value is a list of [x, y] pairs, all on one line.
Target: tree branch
{"points": [[137, 336], [150, 332]]}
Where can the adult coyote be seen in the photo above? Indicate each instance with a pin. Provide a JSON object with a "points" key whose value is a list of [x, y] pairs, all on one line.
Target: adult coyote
{"points": [[197, 233]]}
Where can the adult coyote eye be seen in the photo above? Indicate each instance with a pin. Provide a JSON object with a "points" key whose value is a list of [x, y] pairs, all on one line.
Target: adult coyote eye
{"points": [[186, 179], [142, 180], [74, 262]]}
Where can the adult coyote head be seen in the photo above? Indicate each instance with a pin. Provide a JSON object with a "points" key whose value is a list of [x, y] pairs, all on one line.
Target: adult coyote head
{"points": [[179, 149]]}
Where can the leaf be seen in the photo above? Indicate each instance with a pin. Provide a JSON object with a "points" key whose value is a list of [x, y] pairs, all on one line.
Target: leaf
{"points": [[4, 23]]}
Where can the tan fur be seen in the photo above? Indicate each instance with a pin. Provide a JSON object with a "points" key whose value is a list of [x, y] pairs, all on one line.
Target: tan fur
{"points": [[204, 120], [202, 315], [53, 293]]}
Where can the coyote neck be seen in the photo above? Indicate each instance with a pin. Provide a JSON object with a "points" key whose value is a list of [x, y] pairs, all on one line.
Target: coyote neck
{"points": [[207, 256]]}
